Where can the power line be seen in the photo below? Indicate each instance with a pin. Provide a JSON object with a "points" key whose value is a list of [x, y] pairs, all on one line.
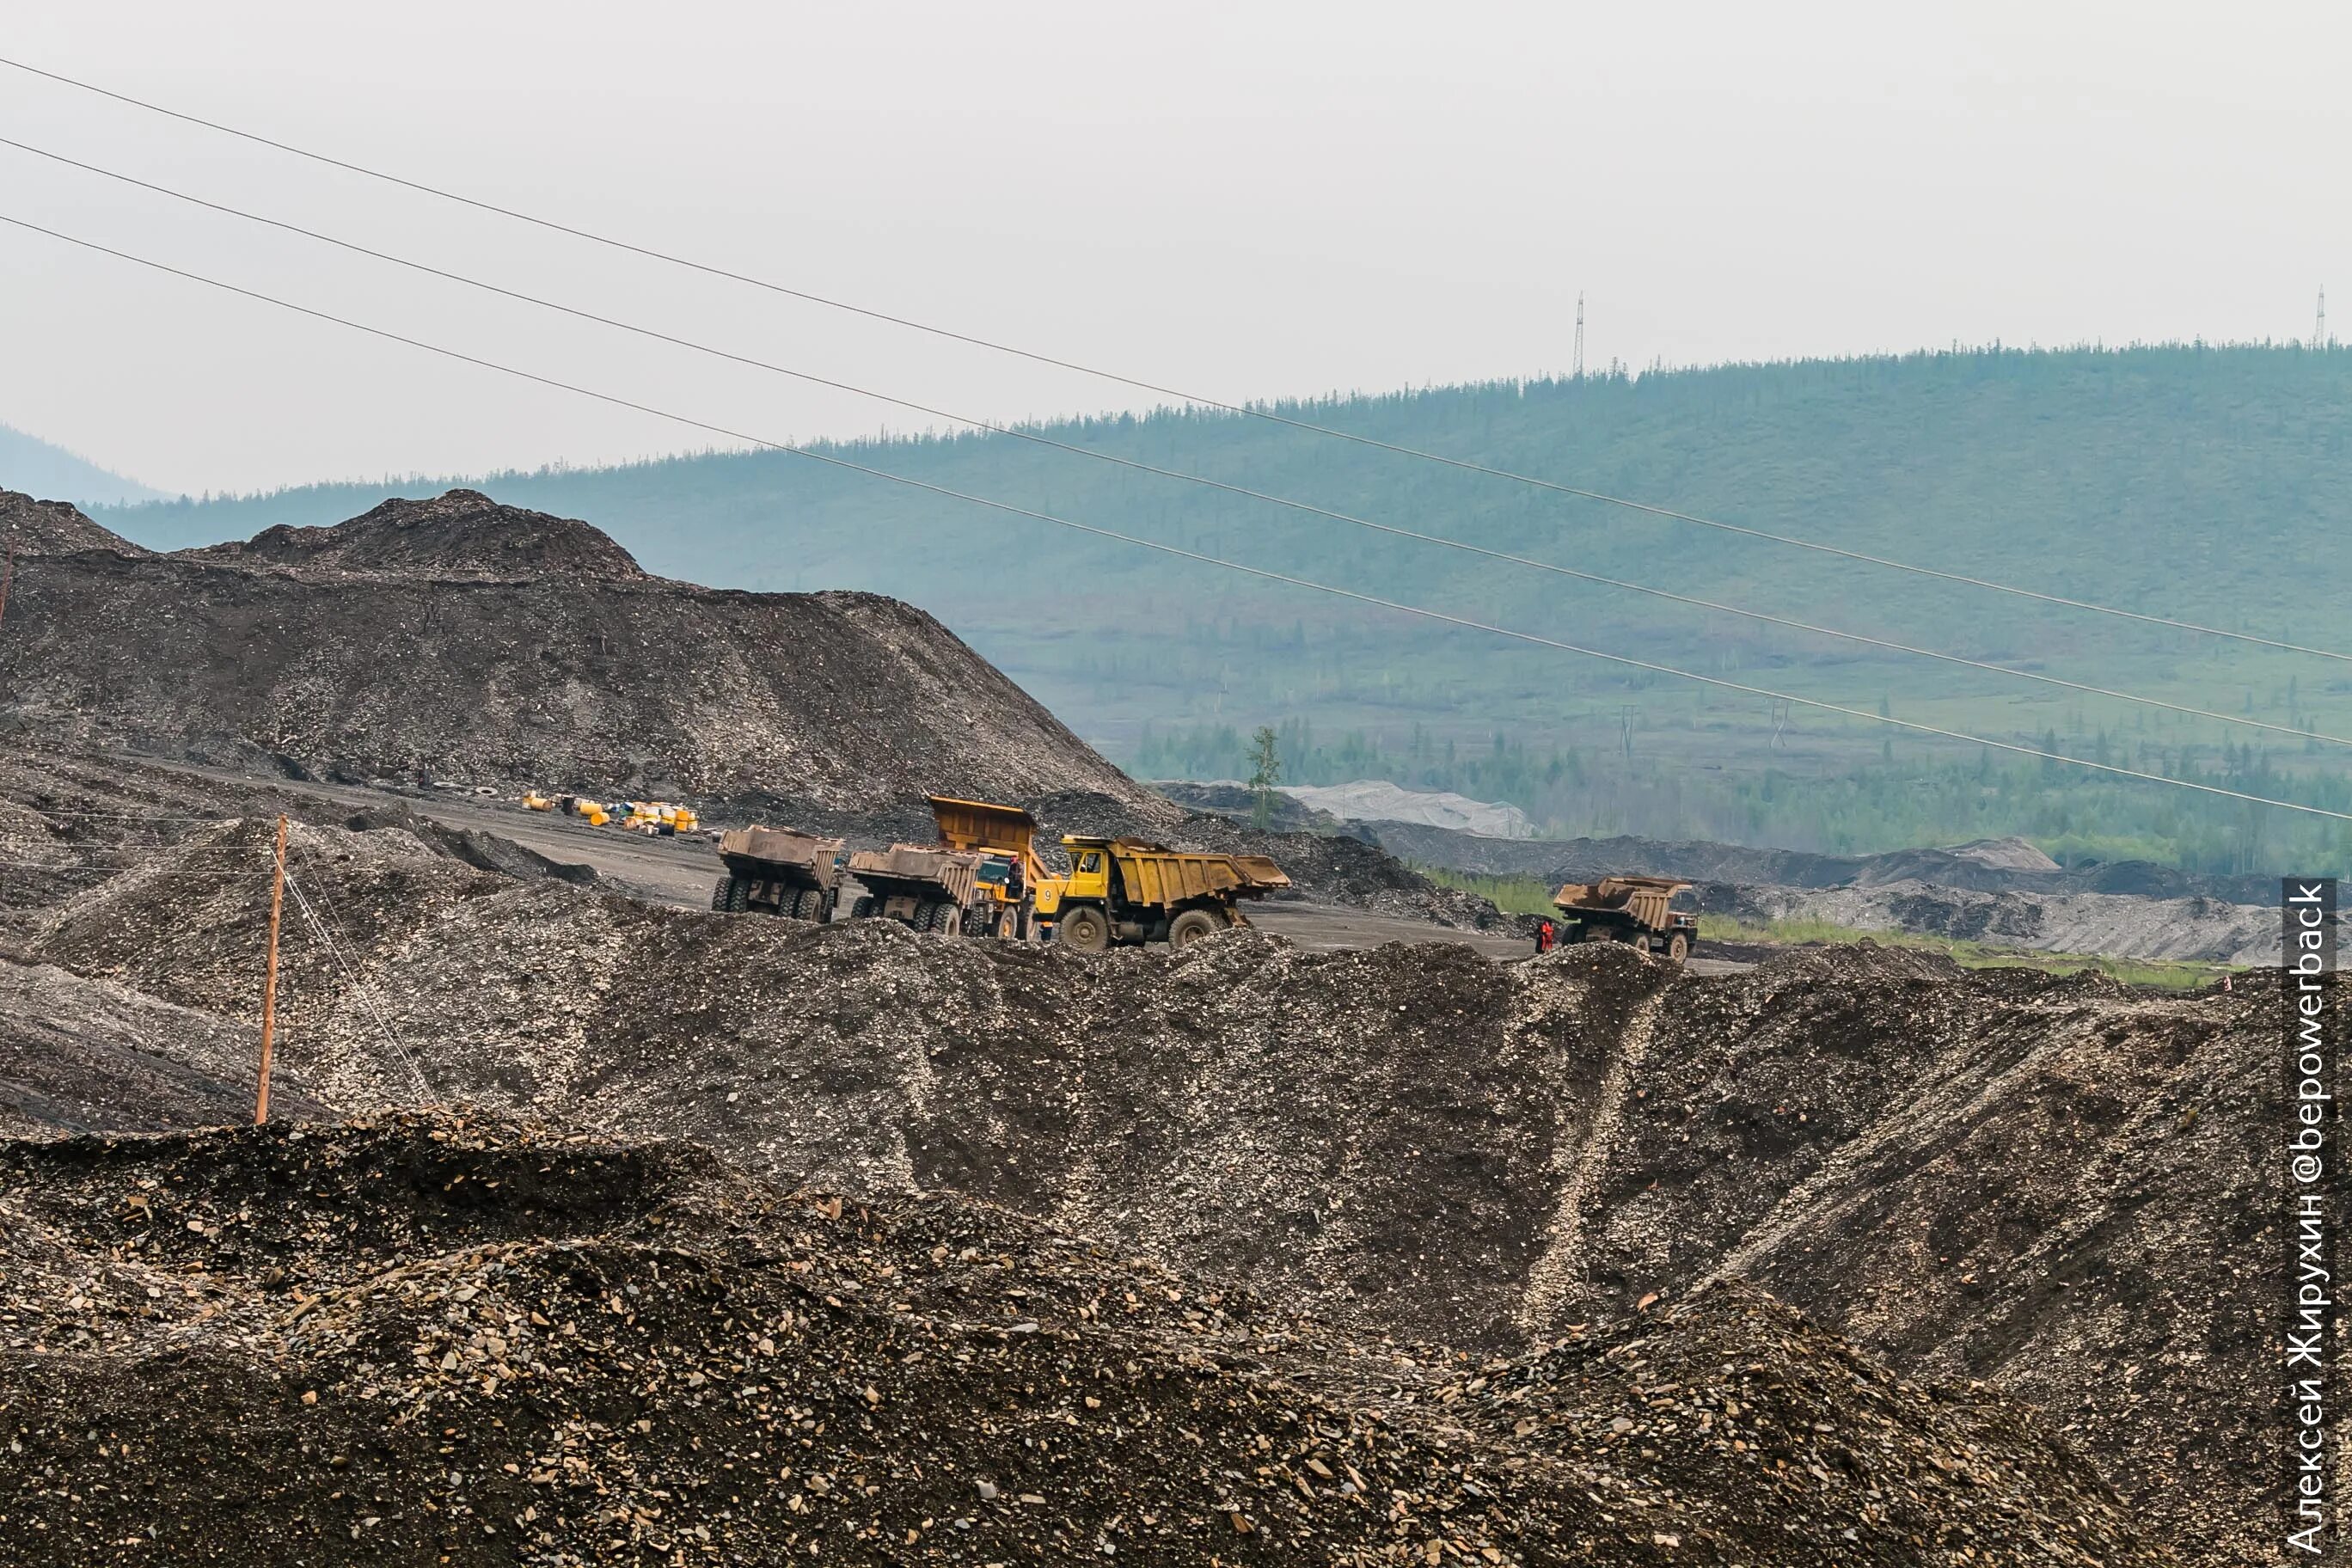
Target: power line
{"points": [[1242, 410], [1132, 464], [352, 987], [1354, 596]]}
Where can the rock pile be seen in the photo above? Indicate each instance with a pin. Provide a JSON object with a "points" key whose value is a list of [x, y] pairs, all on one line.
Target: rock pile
{"points": [[483, 643], [2054, 1186], [447, 1338], [32, 527]]}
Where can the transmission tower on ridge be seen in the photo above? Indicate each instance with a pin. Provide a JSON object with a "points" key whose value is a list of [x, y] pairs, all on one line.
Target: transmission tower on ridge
{"points": [[2319, 331], [1577, 369]]}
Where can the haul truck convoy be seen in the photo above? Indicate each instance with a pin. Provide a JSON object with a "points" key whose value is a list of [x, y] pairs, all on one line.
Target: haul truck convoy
{"points": [[984, 878], [1638, 910]]}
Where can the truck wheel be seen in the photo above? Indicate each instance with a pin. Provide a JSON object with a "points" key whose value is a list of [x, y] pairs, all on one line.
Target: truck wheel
{"points": [[1191, 926], [862, 908], [738, 894], [1086, 929], [719, 894], [1678, 948], [1639, 941]]}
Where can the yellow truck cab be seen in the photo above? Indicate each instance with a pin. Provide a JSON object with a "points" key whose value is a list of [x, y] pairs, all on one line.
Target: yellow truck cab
{"points": [[1131, 891]]}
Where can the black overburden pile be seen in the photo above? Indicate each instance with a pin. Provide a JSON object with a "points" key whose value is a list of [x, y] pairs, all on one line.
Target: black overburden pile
{"points": [[440, 1339], [489, 643]]}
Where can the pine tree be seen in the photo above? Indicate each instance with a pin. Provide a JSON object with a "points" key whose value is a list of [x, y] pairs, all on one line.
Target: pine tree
{"points": [[1265, 755]]}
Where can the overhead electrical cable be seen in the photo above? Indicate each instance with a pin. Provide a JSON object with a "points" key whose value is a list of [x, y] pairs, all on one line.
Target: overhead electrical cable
{"points": [[1239, 409], [352, 986], [1263, 573], [1017, 433]]}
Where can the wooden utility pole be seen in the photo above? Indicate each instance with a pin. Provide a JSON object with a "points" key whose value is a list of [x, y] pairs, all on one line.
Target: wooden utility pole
{"points": [[270, 981]]}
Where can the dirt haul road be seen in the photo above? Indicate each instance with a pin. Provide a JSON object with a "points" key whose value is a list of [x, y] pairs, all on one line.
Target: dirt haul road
{"points": [[679, 871]]}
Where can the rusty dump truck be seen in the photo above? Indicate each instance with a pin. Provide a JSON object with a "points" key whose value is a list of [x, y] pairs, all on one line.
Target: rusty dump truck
{"points": [[929, 889], [975, 881], [984, 878], [1636, 910], [1132, 891], [779, 871]]}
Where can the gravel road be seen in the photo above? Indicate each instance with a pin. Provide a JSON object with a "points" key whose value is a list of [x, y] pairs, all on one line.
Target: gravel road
{"points": [[680, 870]]}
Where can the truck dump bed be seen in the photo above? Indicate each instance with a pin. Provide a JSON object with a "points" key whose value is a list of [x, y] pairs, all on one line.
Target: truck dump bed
{"points": [[781, 854], [1155, 874], [977, 824], [905, 870]]}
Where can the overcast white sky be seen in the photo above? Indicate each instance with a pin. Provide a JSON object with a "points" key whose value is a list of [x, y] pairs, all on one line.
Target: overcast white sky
{"points": [[1249, 200]]}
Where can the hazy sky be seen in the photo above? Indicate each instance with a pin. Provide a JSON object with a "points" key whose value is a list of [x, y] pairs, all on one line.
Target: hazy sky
{"points": [[1246, 200]]}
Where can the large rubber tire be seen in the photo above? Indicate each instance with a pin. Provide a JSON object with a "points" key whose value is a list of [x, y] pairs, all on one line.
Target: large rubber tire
{"points": [[718, 895], [1191, 926], [1639, 941], [738, 894], [804, 904], [862, 907], [1086, 929], [1678, 948]]}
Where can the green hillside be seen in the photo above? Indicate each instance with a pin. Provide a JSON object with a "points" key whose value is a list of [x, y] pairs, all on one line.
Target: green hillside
{"points": [[2212, 484]]}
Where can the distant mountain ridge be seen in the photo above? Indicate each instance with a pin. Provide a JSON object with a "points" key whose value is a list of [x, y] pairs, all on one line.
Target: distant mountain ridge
{"points": [[38, 468]]}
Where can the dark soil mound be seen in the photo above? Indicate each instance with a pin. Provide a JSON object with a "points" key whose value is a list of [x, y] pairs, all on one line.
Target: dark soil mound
{"points": [[32, 527], [480, 643], [79, 1055], [2055, 1186], [458, 534], [436, 1339]]}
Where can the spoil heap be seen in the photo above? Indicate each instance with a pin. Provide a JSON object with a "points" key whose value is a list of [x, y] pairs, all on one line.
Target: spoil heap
{"points": [[2053, 1185], [481, 642], [458, 535], [440, 1339], [30, 527]]}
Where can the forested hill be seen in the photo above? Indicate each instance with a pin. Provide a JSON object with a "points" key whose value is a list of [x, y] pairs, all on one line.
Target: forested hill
{"points": [[34, 467], [2210, 484]]}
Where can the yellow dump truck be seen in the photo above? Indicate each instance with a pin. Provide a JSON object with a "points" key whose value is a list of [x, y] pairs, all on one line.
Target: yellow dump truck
{"points": [[779, 871], [1637, 910], [1130, 891], [1004, 837]]}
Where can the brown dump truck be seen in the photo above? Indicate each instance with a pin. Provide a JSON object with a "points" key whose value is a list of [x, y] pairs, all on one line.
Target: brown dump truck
{"points": [[1637, 910], [1130, 890], [778, 871], [918, 885]]}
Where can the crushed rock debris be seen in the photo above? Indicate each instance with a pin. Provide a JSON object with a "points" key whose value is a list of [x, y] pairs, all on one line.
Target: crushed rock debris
{"points": [[418, 1339]]}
